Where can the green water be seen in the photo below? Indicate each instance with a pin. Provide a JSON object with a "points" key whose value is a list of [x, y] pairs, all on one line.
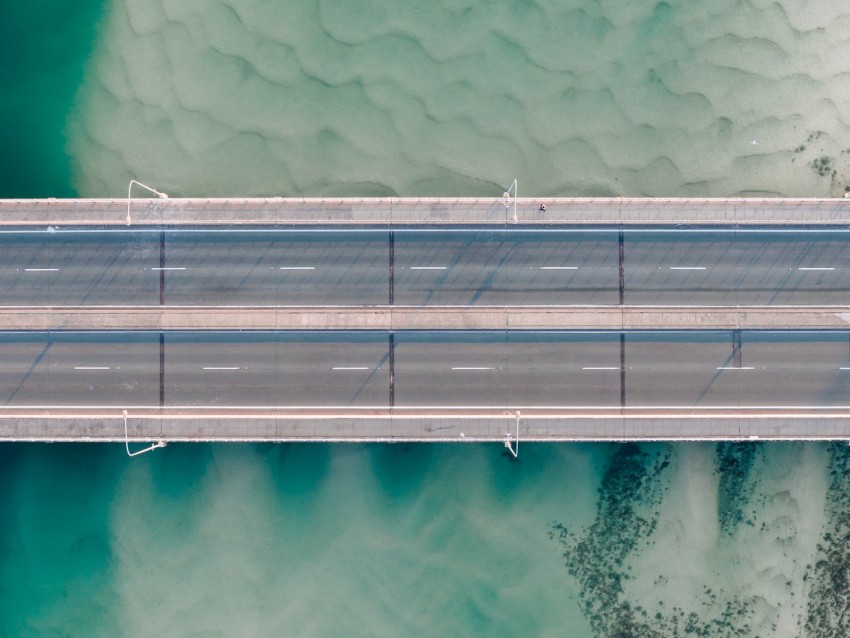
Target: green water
{"points": [[435, 540], [457, 97], [289, 540], [46, 45]]}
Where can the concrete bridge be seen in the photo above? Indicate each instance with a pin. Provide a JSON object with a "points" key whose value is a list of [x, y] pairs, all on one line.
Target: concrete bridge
{"points": [[80, 278]]}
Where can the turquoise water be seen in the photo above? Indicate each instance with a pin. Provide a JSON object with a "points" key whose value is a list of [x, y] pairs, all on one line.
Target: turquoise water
{"points": [[290, 540], [46, 46], [307, 97], [387, 540]]}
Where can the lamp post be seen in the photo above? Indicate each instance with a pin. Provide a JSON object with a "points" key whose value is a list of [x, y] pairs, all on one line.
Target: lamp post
{"points": [[145, 186], [507, 196], [514, 449], [153, 446]]}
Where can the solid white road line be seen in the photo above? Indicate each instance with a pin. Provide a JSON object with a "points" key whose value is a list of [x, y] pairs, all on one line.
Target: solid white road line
{"points": [[528, 231], [430, 408], [688, 268], [558, 267], [41, 270], [222, 368], [296, 268], [815, 268], [429, 267]]}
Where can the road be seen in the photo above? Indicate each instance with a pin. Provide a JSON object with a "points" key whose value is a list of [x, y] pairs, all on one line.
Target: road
{"points": [[426, 267], [429, 369]]}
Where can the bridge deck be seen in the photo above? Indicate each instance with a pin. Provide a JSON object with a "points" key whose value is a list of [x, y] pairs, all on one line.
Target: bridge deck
{"points": [[823, 414]]}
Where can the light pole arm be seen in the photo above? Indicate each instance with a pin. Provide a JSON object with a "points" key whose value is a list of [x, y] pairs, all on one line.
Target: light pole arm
{"points": [[145, 186]]}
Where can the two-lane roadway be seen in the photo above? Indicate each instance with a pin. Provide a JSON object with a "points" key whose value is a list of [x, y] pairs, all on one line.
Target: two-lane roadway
{"points": [[516, 266], [449, 369]]}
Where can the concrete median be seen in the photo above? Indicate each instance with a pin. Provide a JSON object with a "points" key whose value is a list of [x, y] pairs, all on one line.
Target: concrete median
{"points": [[423, 318]]}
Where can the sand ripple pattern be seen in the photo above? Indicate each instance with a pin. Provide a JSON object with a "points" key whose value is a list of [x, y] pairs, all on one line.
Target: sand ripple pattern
{"points": [[573, 97]]}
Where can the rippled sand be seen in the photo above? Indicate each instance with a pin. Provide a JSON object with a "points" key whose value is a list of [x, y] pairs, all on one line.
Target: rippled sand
{"points": [[458, 97]]}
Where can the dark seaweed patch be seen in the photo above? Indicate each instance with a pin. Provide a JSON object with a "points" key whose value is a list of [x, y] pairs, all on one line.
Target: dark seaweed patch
{"points": [[627, 517], [733, 463], [822, 165], [829, 597]]}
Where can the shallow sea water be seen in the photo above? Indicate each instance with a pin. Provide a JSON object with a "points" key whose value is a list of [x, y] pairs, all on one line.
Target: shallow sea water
{"points": [[458, 97], [385, 540], [307, 97], [265, 540]]}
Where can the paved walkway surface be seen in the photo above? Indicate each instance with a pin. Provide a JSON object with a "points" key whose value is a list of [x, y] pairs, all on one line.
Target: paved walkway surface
{"points": [[434, 426], [402, 211]]}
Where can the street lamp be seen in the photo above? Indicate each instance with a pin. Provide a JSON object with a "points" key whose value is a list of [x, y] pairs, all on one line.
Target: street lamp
{"points": [[507, 196], [508, 444], [153, 446], [137, 183]]}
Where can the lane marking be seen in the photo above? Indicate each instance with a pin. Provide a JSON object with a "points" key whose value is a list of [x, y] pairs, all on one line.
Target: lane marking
{"points": [[600, 368], [296, 268], [351, 368], [471, 368], [169, 268], [41, 270], [222, 368], [844, 368], [688, 268], [558, 267], [735, 368], [429, 267], [92, 368], [815, 268]]}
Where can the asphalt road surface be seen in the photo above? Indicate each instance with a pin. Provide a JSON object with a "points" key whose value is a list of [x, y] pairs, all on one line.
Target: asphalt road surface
{"points": [[429, 369], [431, 267]]}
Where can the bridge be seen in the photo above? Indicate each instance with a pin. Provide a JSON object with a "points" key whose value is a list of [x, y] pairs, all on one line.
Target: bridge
{"points": [[424, 319]]}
